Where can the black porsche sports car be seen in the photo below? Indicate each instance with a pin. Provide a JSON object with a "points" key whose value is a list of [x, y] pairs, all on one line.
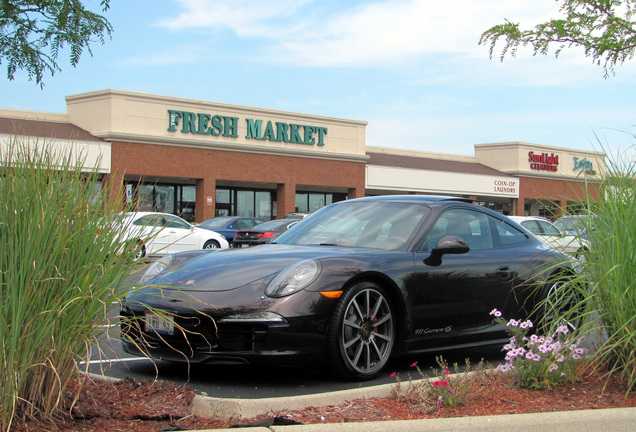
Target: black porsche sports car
{"points": [[350, 286]]}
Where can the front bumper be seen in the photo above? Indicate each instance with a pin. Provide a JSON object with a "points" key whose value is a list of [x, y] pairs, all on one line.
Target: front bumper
{"points": [[206, 337]]}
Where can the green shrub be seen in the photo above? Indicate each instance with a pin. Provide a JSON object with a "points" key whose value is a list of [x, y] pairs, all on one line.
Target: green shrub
{"points": [[58, 275]]}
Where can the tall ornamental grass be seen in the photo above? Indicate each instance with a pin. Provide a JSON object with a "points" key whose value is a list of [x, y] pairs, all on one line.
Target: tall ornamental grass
{"points": [[605, 288], [58, 275], [611, 271]]}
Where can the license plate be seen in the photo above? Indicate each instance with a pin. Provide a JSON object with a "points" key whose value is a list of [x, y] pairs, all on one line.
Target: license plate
{"points": [[159, 323], [245, 245]]}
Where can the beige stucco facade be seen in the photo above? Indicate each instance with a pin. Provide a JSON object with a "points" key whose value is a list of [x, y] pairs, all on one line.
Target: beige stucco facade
{"points": [[116, 115], [515, 158]]}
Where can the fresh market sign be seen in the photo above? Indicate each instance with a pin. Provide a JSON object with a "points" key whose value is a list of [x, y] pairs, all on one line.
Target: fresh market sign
{"points": [[216, 125]]}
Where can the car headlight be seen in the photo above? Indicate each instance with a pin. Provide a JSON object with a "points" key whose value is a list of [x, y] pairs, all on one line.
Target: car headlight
{"points": [[157, 267], [293, 279]]}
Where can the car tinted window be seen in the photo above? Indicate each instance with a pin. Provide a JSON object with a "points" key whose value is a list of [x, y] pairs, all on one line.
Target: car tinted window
{"points": [[509, 235], [471, 226]]}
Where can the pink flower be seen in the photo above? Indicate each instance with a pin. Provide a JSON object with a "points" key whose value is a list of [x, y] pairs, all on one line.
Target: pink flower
{"points": [[393, 375], [447, 372], [436, 383], [414, 364], [444, 383]]}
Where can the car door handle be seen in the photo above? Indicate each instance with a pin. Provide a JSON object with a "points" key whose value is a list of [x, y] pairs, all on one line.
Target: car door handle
{"points": [[503, 272]]}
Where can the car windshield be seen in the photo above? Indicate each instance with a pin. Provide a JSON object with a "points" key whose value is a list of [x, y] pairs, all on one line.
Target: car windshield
{"points": [[372, 224], [215, 222]]}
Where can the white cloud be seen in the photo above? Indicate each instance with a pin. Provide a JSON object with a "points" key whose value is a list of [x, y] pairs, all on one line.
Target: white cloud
{"points": [[373, 33], [247, 18]]}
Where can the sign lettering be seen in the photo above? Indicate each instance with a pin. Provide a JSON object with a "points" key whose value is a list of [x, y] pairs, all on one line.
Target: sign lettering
{"points": [[543, 161], [216, 125]]}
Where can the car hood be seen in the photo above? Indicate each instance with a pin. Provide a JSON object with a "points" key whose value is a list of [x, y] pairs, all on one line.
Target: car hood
{"points": [[233, 268]]}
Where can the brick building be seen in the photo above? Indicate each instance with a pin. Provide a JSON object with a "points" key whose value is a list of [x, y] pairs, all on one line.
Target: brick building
{"points": [[203, 159]]}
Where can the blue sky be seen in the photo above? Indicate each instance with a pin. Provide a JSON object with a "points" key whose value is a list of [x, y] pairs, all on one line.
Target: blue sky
{"points": [[411, 68]]}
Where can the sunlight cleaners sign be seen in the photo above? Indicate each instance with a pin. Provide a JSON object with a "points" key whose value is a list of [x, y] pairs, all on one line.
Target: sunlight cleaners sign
{"points": [[543, 161], [216, 125]]}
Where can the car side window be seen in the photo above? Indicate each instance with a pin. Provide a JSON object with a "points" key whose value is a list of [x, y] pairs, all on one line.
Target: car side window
{"points": [[532, 226], [508, 235], [471, 226], [148, 220], [173, 222]]}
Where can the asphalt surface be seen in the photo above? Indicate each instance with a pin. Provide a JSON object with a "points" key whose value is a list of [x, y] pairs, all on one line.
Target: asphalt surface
{"points": [[264, 382]]}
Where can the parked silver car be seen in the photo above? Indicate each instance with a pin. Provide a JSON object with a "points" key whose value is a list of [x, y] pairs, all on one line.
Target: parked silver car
{"points": [[553, 236]]}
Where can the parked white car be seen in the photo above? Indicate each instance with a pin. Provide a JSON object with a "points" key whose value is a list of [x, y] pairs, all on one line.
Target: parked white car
{"points": [[164, 233], [550, 234]]}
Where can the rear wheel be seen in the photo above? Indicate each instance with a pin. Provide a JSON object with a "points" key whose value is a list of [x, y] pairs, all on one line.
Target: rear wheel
{"points": [[562, 306], [211, 244], [361, 334]]}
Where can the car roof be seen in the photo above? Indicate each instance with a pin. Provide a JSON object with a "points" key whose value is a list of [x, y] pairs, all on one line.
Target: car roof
{"points": [[524, 218], [424, 199], [136, 214]]}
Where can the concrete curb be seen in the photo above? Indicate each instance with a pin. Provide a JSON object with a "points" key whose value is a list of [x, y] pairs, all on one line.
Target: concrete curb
{"points": [[239, 409]]}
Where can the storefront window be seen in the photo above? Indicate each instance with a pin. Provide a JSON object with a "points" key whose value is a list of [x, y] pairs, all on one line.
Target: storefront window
{"points": [[179, 200], [312, 201], [188, 202], [302, 202], [263, 205], [244, 202], [145, 198], [164, 199]]}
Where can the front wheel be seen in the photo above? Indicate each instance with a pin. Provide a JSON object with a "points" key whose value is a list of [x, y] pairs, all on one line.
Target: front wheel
{"points": [[211, 244], [361, 333]]}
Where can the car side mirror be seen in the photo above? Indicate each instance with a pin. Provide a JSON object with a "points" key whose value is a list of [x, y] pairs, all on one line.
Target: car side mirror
{"points": [[446, 245]]}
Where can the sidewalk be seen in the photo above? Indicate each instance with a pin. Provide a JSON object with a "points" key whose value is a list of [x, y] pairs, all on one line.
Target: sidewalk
{"points": [[609, 420], [606, 420]]}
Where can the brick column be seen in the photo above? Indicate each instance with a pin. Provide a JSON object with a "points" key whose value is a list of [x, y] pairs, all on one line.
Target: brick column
{"points": [[285, 199], [206, 199], [355, 193], [113, 184]]}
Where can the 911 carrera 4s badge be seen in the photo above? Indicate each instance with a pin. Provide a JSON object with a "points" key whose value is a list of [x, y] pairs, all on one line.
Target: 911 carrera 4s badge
{"points": [[446, 329]]}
